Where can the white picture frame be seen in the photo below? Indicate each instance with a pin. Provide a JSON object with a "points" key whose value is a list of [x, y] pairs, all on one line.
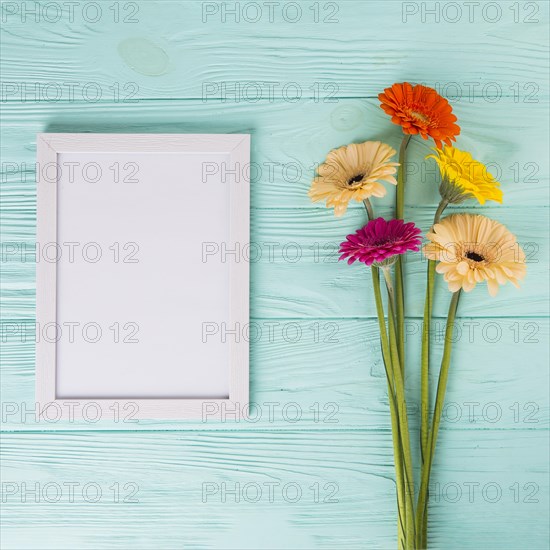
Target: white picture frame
{"points": [[76, 378]]}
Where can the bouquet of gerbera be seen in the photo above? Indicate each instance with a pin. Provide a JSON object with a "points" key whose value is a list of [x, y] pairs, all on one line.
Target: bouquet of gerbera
{"points": [[465, 248]]}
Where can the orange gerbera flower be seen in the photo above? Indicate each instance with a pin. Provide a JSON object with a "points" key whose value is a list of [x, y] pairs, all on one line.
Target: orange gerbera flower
{"points": [[420, 110]]}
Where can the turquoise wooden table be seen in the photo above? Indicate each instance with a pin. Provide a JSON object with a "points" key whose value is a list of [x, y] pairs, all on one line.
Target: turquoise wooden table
{"points": [[314, 468]]}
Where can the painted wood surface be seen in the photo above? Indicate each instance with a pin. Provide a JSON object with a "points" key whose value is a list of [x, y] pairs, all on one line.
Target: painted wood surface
{"points": [[295, 270], [184, 49], [300, 88], [349, 385], [328, 490], [283, 159]]}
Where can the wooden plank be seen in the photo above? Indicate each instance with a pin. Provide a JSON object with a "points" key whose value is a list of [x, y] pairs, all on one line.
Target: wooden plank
{"points": [[177, 480], [171, 49], [283, 158], [318, 285], [320, 374], [295, 270]]}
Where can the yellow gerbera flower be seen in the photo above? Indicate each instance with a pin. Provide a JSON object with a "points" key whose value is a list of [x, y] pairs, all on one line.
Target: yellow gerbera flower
{"points": [[472, 248], [354, 172], [463, 177]]}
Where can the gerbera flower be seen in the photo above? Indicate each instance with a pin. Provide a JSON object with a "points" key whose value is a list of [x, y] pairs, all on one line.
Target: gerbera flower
{"points": [[463, 177], [472, 248], [420, 110], [354, 172], [380, 242]]}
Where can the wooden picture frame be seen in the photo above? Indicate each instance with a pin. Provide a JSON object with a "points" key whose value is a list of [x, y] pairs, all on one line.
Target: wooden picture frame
{"points": [[186, 199]]}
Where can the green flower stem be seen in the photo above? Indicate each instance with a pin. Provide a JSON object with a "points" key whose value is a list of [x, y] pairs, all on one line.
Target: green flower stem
{"points": [[400, 197], [397, 451], [405, 526], [368, 207], [391, 317], [425, 362], [425, 383], [421, 510], [402, 417], [399, 214], [441, 207]]}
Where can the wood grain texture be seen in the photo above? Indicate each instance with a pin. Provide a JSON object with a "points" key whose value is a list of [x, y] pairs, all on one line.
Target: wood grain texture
{"points": [[175, 477], [172, 49], [295, 270], [160, 68], [283, 157], [295, 390]]}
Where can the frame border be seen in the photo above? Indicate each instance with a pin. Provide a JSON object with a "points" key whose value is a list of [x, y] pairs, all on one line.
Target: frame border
{"points": [[49, 145]]}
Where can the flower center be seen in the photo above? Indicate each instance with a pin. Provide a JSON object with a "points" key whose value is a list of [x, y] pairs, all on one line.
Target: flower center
{"points": [[474, 256], [355, 179], [420, 116]]}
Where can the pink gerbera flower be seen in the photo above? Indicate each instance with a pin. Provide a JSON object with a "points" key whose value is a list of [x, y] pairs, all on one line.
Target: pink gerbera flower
{"points": [[380, 241]]}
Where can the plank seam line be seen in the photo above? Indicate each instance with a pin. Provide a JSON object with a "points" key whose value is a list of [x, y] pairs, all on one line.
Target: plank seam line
{"points": [[274, 431]]}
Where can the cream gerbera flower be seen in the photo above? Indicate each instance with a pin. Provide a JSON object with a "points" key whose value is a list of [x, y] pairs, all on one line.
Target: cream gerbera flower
{"points": [[464, 178], [472, 248], [354, 172]]}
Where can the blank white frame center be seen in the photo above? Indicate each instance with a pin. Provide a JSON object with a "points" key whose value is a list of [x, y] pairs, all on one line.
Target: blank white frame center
{"points": [[142, 294]]}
